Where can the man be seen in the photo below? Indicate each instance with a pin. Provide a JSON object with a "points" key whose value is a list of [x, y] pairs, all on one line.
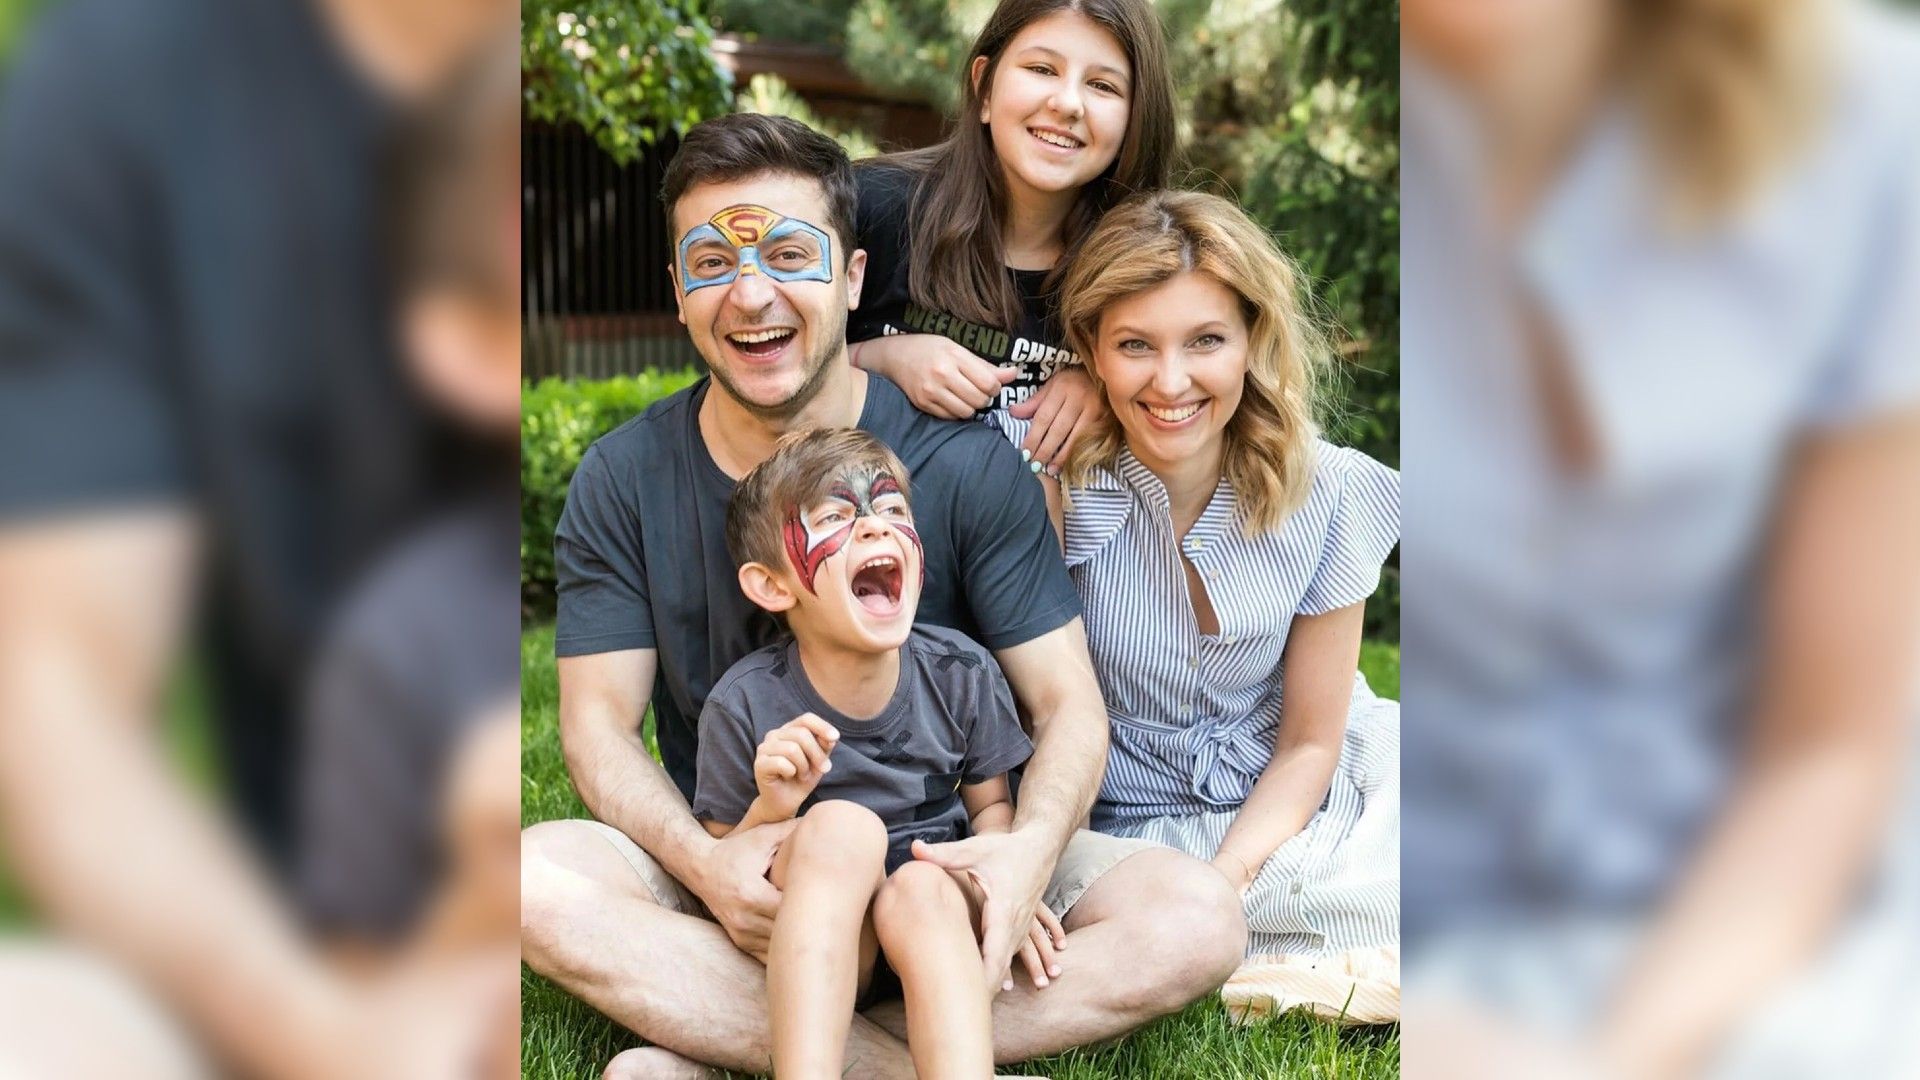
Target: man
{"points": [[646, 916]]}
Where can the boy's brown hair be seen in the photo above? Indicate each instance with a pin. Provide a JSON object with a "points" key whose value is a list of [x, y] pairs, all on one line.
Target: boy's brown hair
{"points": [[803, 466]]}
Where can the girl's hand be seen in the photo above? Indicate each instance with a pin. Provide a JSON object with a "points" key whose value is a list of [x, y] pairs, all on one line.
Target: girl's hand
{"points": [[1061, 410], [791, 760], [939, 375]]}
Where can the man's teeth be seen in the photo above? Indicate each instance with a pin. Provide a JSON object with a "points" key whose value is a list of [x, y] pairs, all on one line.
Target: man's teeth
{"points": [[1057, 140], [1174, 416], [758, 336]]}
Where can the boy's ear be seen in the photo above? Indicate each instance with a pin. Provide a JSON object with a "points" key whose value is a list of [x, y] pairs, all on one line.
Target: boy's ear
{"points": [[765, 588]]}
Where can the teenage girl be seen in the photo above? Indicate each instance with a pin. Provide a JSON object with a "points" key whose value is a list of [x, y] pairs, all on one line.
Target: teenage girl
{"points": [[1066, 108]]}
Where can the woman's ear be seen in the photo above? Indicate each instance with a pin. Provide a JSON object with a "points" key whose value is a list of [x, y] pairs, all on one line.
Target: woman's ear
{"points": [[766, 589], [977, 72]]}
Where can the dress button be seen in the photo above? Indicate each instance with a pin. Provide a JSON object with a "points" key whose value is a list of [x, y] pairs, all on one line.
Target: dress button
{"points": [[1232, 640], [1193, 661], [1213, 575], [1294, 888]]}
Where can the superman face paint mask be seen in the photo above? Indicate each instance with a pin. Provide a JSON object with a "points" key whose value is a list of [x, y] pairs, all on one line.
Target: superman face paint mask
{"points": [[814, 535], [747, 239]]}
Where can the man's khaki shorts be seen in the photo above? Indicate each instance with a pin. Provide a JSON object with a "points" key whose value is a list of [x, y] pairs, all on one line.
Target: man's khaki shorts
{"points": [[1088, 858]]}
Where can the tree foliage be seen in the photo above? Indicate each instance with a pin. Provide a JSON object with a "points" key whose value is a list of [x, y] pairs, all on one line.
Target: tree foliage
{"points": [[629, 73]]}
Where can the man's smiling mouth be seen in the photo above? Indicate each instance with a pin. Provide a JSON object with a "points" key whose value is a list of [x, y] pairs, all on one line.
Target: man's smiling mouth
{"points": [[760, 342]]}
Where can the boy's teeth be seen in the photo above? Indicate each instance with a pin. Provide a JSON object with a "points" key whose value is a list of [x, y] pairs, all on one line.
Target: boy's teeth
{"points": [[1174, 416]]}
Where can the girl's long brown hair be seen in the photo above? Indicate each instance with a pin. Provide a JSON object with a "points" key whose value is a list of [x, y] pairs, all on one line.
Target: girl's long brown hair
{"points": [[959, 199]]}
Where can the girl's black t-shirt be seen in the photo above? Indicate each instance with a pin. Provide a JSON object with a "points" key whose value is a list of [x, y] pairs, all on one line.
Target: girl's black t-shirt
{"points": [[884, 228]]}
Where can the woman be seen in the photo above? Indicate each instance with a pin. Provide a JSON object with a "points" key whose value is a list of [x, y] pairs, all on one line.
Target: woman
{"points": [[1224, 551], [1066, 107]]}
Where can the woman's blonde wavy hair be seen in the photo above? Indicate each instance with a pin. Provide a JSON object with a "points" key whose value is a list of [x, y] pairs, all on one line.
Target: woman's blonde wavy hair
{"points": [[1150, 238]]}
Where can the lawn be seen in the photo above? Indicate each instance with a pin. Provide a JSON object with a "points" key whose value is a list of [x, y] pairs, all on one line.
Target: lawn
{"points": [[565, 1040]]}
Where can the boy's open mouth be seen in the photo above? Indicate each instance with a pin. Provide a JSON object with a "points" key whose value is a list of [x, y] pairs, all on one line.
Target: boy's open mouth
{"points": [[760, 342], [876, 584]]}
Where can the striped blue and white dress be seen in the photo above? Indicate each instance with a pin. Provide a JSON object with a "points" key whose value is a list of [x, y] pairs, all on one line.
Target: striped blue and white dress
{"points": [[1195, 716]]}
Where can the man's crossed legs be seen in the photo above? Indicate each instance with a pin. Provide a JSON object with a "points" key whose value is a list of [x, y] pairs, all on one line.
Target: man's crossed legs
{"points": [[1148, 931]]}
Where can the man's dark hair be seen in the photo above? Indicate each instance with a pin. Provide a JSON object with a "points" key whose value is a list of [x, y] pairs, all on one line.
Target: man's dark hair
{"points": [[743, 145]]}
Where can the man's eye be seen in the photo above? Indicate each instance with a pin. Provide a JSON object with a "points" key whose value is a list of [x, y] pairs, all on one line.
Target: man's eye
{"points": [[709, 262], [790, 255]]}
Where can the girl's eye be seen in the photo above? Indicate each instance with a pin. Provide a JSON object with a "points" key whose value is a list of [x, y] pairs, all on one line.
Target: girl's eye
{"points": [[1106, 87], [1040, 69]]}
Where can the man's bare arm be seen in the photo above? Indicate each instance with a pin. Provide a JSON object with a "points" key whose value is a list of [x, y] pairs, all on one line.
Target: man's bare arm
{"points": [[102, 834], [1052, 677], [602, 700]]}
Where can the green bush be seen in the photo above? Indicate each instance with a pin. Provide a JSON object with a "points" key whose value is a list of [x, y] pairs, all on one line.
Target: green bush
{"points": [[559, 419]]}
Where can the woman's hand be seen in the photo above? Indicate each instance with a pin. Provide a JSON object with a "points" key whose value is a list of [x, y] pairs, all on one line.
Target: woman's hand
{"points": [[1061, 410], [939, 375]]}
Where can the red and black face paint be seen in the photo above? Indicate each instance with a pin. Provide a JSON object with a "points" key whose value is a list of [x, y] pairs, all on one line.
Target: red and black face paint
{"points": [[808, 548]]}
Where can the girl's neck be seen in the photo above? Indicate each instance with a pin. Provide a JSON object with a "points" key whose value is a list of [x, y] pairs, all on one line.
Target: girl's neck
{"points": [[859, 685], [1030, 235]]}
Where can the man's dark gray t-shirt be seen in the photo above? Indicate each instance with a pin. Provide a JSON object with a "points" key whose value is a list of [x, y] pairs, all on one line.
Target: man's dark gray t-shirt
{"points": [[641, 550], [951, 721]]}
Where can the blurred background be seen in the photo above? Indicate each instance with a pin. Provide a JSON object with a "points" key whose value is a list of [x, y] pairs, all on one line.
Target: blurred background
{"points": [[259, 392], [1661, 326]]}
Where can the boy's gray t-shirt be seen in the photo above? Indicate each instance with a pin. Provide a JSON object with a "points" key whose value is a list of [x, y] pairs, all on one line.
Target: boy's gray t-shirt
{"points": [[951, 722]]}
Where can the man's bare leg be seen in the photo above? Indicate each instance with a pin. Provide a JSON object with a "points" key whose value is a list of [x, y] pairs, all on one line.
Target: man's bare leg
{"points": [[827, 872], [1154, 934], [589, 923], [927, 933]]}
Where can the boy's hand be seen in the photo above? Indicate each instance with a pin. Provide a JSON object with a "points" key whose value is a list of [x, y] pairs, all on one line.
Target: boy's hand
{"points": [[791, 760], [1046, 938]]}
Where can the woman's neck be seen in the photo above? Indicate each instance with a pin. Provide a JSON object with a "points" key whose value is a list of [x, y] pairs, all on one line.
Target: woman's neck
{"points": [[859, 685], [1190, 484], [1030, 236]]}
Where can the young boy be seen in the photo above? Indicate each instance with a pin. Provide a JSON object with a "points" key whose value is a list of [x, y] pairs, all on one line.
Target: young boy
{"points": [[877, 734]]}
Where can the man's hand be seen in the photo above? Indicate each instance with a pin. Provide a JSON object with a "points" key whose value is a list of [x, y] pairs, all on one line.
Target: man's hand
{"points": [[1061, 410], [790, 762], [733, 883], [1011, 870]]}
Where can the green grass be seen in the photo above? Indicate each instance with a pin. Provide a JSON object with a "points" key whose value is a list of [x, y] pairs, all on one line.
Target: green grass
{"points": [[562, 1039]]}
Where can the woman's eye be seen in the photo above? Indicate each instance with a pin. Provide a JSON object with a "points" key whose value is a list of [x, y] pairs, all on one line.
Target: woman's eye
{"points": [[1133, 345], [1209, 341]]}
